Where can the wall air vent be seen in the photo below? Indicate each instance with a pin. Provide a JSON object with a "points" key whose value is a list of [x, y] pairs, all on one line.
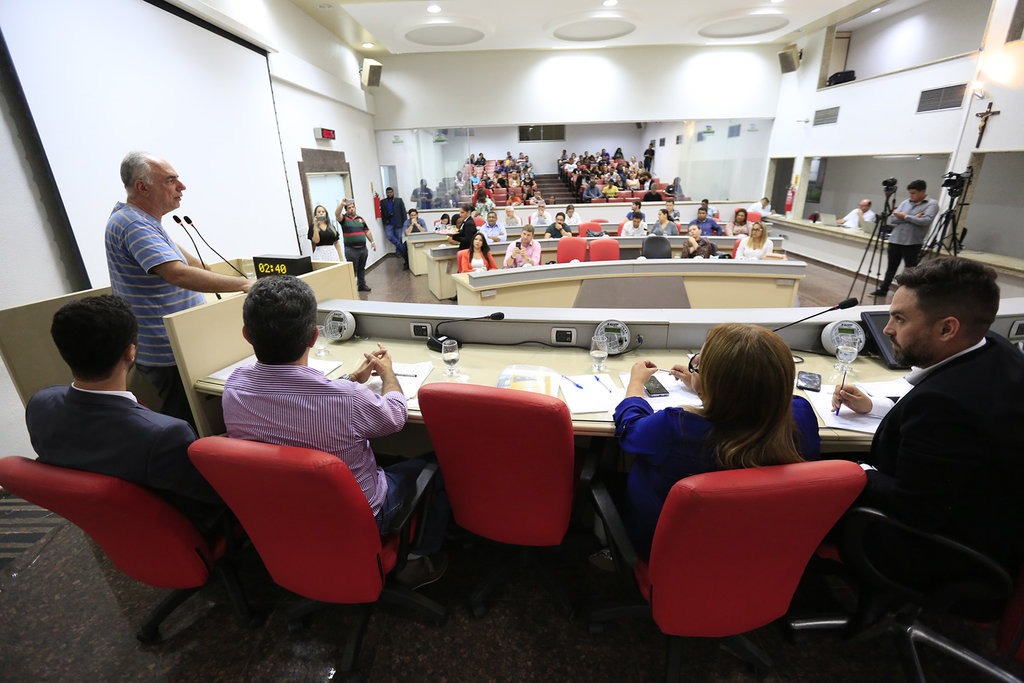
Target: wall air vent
{"points": [[826, 116], [951, 97]]}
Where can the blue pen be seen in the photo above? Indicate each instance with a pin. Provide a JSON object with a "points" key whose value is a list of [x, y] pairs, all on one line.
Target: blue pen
{"points": [[601, 383], [841, 386], [571, 382]]}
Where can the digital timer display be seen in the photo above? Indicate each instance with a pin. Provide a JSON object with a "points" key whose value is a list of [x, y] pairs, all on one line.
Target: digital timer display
{"points": [[281, 265]]}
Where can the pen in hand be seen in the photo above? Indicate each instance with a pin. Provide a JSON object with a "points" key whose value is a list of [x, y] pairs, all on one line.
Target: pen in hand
{"points": [[842, 385]]}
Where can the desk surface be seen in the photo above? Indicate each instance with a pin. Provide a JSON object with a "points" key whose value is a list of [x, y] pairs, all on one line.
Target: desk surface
{"points": [[482, 364]]}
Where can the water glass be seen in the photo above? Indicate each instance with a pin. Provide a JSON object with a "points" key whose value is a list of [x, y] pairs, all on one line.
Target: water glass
{"points": [[450, 356], [599, 351], [321, 343]]}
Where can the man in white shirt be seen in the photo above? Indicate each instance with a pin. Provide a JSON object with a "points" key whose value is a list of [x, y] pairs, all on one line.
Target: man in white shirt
{"points": [[539, 219], [862, 215], [636, 227], [763, 207], [492, 230]]}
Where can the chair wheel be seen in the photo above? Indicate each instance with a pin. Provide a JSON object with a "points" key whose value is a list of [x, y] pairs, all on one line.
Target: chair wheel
{"points": [[478, 609], [595, 628], [148, 634]]}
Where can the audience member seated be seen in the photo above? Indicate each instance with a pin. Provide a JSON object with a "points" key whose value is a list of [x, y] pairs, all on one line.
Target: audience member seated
{"points": [[96, 425], [635, 227], [523, 252], [652, 194], [592, 192], [698, 246], [635, 210], [707, 225], [673, 213], [558, 229], [280, 400], [664, 226], [738, 225], [611, 191], [539, 218], [675, 188], [762, 206], [755, 246], [492, 230], [480, 161], [443, 224], [858, 217], [632, 180], [711, 211], [570, 216], [477, 257], [414, 223], [750, 418], [511, 218], [482, 203]]}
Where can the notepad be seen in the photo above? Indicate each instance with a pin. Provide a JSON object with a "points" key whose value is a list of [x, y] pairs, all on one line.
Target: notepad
{"points": [[324, 366], [846, 419], [594, 393], [410, 377], [678, 393]]}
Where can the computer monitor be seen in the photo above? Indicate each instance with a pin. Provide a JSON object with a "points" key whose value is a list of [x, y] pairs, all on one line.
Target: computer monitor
{"points": [[874, 322]]}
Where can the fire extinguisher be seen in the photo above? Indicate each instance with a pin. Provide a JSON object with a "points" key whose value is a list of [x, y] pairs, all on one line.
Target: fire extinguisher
{"points": [[376, 204], [790, 196]]}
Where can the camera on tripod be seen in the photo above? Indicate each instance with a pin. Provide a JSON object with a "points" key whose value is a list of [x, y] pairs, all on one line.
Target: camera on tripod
{"points": [[889, 185], [955, 182]]}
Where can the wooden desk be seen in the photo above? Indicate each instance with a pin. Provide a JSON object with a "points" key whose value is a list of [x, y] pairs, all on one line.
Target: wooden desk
{"points": [[662, 283], [483, 364], [418, 244]]}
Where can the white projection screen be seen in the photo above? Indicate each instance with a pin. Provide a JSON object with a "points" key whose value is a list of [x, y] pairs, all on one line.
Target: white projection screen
{"points": [[105, 77]]}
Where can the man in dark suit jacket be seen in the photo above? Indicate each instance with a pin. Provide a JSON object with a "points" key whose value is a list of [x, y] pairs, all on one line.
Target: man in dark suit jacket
{"points": [[392, 215], [949, 456], [96, 425]]}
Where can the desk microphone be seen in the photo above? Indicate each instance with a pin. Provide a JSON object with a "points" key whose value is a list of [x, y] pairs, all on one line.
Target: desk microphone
{"points": [[191, 225], [847, 303], [194, 246], [435, 340]]}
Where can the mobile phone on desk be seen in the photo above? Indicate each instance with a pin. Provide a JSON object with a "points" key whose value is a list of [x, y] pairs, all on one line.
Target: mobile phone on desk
{"points": [[654, 388], [809, 381]]}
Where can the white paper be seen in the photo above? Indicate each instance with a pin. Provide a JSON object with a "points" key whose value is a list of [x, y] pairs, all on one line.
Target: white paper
{"points": [[895, 389], [847, 419], [597, 395], [324, 366], [410, 377], [678, 393]]}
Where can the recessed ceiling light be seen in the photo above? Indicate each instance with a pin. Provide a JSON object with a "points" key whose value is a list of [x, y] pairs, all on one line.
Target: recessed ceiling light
{"points": [[434, 9], [610, 3], [368, 45], [877, 9], [776, 2]]}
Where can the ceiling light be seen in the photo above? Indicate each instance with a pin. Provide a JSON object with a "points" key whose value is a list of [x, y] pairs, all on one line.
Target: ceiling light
{"points": [[434, 9], [776, 2], [877, 9], [610, 3], [368, 45], [765, 10]]}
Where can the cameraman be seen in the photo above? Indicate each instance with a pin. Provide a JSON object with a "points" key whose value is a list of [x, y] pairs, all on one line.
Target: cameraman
{"points": [[909, 224]]}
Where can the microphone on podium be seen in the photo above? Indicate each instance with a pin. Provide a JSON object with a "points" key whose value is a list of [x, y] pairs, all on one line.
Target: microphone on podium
{"points": [[846, 303], [435, 340], [192, 225], [194, 246]]}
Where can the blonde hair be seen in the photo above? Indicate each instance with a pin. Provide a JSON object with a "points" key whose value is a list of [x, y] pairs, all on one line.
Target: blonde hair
{"points": [[746, 375], [761, 240]]}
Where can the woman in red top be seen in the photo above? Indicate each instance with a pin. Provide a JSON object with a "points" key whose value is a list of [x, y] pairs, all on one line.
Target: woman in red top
{"points": [[478, 257]]}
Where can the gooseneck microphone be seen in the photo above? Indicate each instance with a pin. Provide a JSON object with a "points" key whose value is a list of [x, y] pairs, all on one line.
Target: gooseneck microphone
{"points": [[191, 225], [435, 340], [194, 246], [846, 303]]}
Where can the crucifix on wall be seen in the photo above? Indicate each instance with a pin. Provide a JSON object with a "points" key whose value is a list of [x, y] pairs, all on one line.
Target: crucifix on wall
{"points": [[984, 116]]}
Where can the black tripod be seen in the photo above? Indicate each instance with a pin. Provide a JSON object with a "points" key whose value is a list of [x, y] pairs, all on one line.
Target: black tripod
{"points": [[944, 235], [876, 243]]}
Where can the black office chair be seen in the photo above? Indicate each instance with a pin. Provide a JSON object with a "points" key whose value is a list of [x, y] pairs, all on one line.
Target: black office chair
{"points": [[656, 246], [890, 606]]}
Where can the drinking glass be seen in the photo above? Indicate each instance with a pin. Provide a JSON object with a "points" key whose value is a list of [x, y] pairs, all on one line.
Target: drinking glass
{"points": [[450, 356], [599, 351], [321, 343], [846, 353]]}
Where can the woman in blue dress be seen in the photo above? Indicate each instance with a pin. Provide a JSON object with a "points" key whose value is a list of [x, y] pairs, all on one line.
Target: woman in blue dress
{"points": [[750, 418]]}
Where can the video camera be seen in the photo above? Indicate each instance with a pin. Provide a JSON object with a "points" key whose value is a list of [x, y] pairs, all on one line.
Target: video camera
{"points": [[956, 182], [889, 185]]}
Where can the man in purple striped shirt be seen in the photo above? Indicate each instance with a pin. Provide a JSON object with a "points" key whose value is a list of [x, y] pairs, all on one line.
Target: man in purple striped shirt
{"points": [[282, 401]]}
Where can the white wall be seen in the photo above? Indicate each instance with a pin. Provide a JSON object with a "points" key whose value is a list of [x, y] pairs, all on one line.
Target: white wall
{"points": [[664, 83], [921, 34], [993, 218], [850, 179]]}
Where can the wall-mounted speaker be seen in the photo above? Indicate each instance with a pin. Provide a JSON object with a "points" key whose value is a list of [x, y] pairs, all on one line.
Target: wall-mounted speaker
{"points": [[370, 73], [789, 59], [639, 126]]}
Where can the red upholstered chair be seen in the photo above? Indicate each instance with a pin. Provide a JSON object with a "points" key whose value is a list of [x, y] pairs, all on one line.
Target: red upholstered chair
{"points": [[736, 246], [600, 220], [570, 248], [479, 220], [604, 249], [599, 200], [589, 225], [498, 488], [619, 231], [143, 535], [729, 549], [753, 216], [313, 528]]}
